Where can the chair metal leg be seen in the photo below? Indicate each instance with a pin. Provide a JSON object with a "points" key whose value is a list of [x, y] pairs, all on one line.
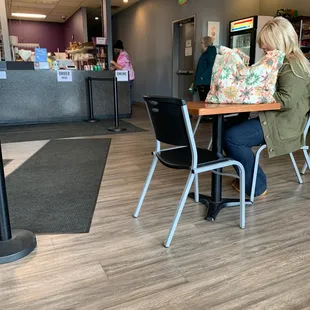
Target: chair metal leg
{"points": [[197, 125], [307, 163], [146, 185], [242, 196], [178, 213], [196, 188], [210, 144], [257, 156], [296, 169]]}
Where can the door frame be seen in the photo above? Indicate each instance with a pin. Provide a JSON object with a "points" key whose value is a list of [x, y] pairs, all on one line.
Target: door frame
{"points": [[175, 52]]}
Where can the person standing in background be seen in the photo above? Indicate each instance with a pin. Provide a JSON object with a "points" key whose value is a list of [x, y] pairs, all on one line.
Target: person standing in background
{"points": [[123, 62], [204, 67]]}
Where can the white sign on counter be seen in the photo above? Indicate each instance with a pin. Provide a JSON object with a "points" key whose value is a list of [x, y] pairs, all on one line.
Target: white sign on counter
{"points": [[122, 76], [2, 75], [64, 76]]}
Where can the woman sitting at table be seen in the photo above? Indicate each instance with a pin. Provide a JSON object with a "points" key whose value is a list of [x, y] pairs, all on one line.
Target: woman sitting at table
{"points": [[281, 130]]}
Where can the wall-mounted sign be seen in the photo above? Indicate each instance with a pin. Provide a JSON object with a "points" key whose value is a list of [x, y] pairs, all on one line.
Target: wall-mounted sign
{"points": [[242, 24], [101, 40], [64, 76], [214, 32], [122, 76], [188, 51], [182, 1]]}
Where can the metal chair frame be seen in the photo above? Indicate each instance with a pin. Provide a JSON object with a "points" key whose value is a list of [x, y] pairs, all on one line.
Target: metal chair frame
{"points": [[194, 170]]}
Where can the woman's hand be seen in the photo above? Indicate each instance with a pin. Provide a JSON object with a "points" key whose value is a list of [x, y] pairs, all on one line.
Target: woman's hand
{"points": [[115, 65]]}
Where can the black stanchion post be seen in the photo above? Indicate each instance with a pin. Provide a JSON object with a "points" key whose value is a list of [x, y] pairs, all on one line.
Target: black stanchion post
{"points": [[5, 226], [116, 127], [91, 117], [14, 244], [115, 95]]}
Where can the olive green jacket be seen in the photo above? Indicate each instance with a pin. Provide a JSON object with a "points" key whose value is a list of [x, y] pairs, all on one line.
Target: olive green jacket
{"points": [[283, 129]]}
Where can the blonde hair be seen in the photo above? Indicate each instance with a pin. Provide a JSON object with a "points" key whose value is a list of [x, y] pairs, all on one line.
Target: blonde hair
{"points": [[207, 41], [279, 34]]}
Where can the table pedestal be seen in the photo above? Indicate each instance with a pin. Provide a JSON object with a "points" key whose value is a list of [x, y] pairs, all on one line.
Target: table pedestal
{"points": [[216, 203], [214, 208]]}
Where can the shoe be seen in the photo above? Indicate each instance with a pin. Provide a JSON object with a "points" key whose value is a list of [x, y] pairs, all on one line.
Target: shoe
{"points": [[235, 185]]}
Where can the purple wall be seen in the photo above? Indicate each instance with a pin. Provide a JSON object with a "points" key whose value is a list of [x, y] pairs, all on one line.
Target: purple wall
{"points": [[48, 35], [51, 35], [75, 26]]}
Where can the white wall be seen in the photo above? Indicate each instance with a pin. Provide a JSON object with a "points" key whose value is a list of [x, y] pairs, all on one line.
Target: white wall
{"points": [[146, 30]]}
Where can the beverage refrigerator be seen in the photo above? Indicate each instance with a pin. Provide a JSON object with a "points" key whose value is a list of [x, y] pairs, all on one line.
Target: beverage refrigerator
{"points": [[243, 35]]}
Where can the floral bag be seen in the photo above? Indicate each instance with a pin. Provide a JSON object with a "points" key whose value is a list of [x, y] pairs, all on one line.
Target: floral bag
{"points": [[234, 82]]}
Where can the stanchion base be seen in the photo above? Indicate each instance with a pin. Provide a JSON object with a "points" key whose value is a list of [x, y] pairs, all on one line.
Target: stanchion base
{"points": [[22, 243], [116, 129], [92, 120]]}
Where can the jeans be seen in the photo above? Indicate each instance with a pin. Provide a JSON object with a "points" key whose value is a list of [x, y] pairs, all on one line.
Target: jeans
{"points": [[240, 135]]}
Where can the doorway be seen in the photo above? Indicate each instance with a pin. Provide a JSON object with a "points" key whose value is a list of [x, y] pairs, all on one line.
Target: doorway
{"points": [[183, 57]]}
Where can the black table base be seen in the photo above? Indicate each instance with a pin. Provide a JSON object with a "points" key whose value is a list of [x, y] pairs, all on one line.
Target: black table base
{"points": [[214, 208], [216, 203], [20, 245]]}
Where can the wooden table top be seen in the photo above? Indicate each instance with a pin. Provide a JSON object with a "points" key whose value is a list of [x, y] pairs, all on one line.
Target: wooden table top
{"points": [[202, 108]]}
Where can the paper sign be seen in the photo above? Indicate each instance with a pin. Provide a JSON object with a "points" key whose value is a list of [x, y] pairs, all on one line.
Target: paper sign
{"points": [[2, 75], [188, 43], [122, 76], [188, 51], [64, 76], [101, 41], [41, 54], [41, 65]]}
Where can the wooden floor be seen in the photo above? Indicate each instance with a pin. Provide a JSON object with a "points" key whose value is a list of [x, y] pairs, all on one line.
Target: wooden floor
{"points": [[122, 264]]}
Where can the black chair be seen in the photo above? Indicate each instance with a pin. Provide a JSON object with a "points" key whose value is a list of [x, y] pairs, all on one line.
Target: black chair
{"points": [[171, 124]]}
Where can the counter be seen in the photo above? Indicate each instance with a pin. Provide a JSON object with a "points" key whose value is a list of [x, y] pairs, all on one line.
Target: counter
{"points": [[35, 96]]}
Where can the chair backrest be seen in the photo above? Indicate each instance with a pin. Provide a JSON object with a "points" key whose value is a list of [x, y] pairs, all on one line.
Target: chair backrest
{"points": [[170, 119]]}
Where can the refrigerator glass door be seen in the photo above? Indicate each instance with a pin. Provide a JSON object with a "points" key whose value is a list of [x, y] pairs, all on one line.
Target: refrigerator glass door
{"points": [[242, 42]]}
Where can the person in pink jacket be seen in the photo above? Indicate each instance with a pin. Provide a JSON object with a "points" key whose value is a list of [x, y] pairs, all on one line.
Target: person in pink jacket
{"points": [[123, 62]]}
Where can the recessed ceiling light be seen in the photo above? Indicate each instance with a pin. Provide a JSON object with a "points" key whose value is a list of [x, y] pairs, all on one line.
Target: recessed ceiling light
{"points": [[125, 1], [28, 15], [96, 18]]}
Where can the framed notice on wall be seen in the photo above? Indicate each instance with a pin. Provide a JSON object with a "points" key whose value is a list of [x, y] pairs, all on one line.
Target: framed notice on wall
{"points": [[214, 32]]}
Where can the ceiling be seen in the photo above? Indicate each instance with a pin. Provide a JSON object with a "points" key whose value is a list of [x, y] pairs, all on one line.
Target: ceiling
{"points": [[56, 9]]}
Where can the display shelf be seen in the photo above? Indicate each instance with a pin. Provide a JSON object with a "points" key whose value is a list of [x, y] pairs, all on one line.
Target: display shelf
{"points": [[101, 54], [302, 28], [26, 45], [82, 50]]}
